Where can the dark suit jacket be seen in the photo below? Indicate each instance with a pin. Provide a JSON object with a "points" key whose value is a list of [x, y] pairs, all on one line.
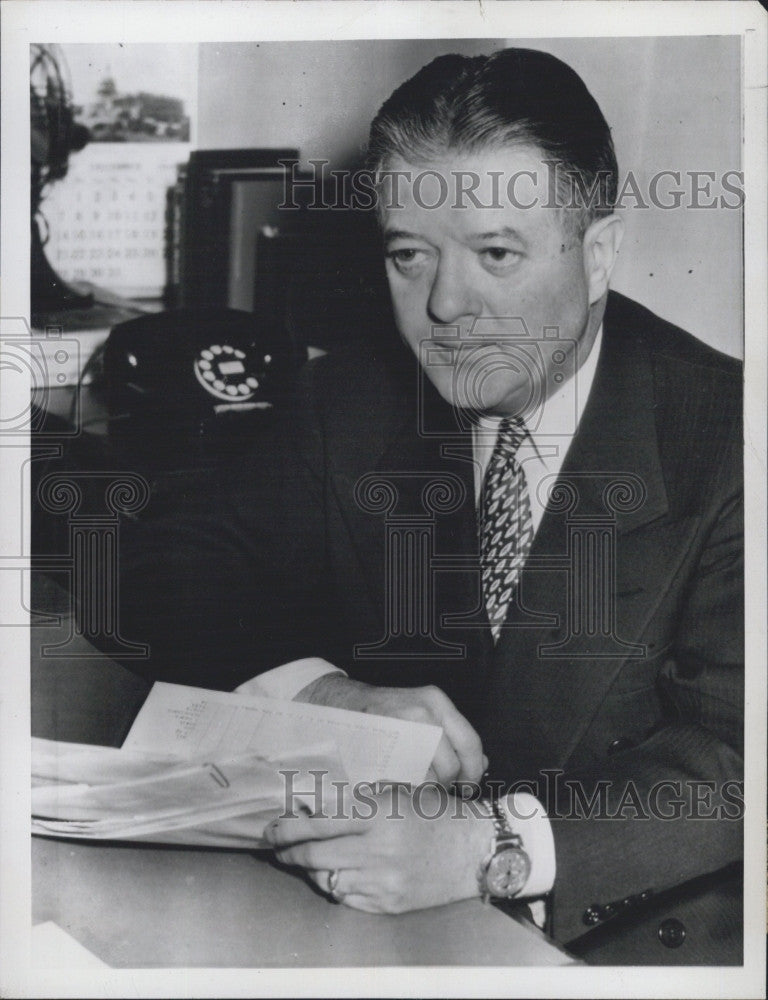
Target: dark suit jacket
{"points": [[615, 691]]}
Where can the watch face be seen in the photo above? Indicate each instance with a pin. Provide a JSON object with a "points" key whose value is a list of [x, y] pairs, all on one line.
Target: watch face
{"points": [[508, 872]]}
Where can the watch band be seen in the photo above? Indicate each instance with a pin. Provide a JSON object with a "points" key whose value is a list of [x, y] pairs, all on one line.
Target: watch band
{"points": [[504, 840]]}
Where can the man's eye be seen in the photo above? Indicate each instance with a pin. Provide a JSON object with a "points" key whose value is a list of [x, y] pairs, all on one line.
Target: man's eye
{"points": [[500, 256], [406, 259]]}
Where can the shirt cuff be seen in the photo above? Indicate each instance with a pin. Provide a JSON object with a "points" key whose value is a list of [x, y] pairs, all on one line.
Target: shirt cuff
{"points": [[528, 817], [286, 681]]}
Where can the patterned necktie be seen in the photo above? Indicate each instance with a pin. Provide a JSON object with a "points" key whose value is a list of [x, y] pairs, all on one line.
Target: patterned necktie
{"points": [[506, 528]]}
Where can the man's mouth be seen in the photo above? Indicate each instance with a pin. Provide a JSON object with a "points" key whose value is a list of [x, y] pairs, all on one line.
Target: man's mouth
{"points": [[474, 343], [447, 345]]}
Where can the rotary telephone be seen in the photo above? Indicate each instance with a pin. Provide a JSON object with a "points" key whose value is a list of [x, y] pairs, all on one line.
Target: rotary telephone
{"points": [[170, 378], [195, 361]]}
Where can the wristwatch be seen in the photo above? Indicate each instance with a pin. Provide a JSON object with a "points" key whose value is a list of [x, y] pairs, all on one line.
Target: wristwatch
{"points": [[505, 869]]}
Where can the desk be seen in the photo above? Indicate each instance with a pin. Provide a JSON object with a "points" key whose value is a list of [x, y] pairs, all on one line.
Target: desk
{"points": [[155, 907], [149, 906]]}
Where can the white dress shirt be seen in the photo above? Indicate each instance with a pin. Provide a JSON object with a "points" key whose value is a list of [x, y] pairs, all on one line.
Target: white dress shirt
{"points": [[550, 431]]}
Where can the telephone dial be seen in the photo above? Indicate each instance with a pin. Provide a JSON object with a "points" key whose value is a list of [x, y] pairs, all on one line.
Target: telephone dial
{"points": [[228, 373]]}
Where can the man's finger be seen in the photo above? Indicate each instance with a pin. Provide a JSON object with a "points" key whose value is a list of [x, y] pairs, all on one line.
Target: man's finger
{"points": [[294, 830], [461, 735], [357, 901], [322, 855], [353, 889], [445, 764]]}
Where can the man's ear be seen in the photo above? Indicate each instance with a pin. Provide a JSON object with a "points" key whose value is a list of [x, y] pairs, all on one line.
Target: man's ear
{"points": [[601, 246]]}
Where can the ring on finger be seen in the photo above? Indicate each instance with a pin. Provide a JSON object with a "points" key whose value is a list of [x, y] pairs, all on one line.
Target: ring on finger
{"points": [[333, 881]]}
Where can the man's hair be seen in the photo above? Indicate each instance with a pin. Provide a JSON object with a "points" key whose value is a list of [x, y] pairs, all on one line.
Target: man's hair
{"points": [[514, 97]]}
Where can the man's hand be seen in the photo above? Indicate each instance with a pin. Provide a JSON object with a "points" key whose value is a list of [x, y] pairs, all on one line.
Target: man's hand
{"points": [[392, 851], [459, 756]]}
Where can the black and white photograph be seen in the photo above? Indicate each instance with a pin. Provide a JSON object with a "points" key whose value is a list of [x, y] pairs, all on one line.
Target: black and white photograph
{"points": [[382, 433]]}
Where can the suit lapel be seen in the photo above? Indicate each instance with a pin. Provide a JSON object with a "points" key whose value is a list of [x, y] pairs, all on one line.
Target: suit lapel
{"points": [[547, 682], [421, 486], [617, 435], [519, 692]]}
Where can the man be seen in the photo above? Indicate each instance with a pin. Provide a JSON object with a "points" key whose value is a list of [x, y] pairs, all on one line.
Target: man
{"points": [[532, 537]]}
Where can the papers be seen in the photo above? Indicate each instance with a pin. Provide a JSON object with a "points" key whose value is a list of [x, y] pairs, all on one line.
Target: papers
{"points": [[53, 948], [133, 796], [206, 768], [185, 721]]}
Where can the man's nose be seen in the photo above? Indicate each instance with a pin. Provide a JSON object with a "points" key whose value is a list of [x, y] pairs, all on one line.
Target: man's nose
{"points": [[452, 296]]}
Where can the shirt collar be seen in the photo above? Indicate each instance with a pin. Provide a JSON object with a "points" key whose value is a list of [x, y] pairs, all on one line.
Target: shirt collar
{"points": [[560, 414]]}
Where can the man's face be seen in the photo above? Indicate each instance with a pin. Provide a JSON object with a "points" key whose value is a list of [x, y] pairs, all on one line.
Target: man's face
{"points": [[469, 277]]}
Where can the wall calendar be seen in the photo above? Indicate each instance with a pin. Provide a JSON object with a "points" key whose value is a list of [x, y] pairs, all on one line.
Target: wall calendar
{"points": [[107, 222]]}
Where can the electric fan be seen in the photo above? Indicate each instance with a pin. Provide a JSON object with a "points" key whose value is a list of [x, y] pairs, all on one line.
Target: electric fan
{"points": [[54, 136]]}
